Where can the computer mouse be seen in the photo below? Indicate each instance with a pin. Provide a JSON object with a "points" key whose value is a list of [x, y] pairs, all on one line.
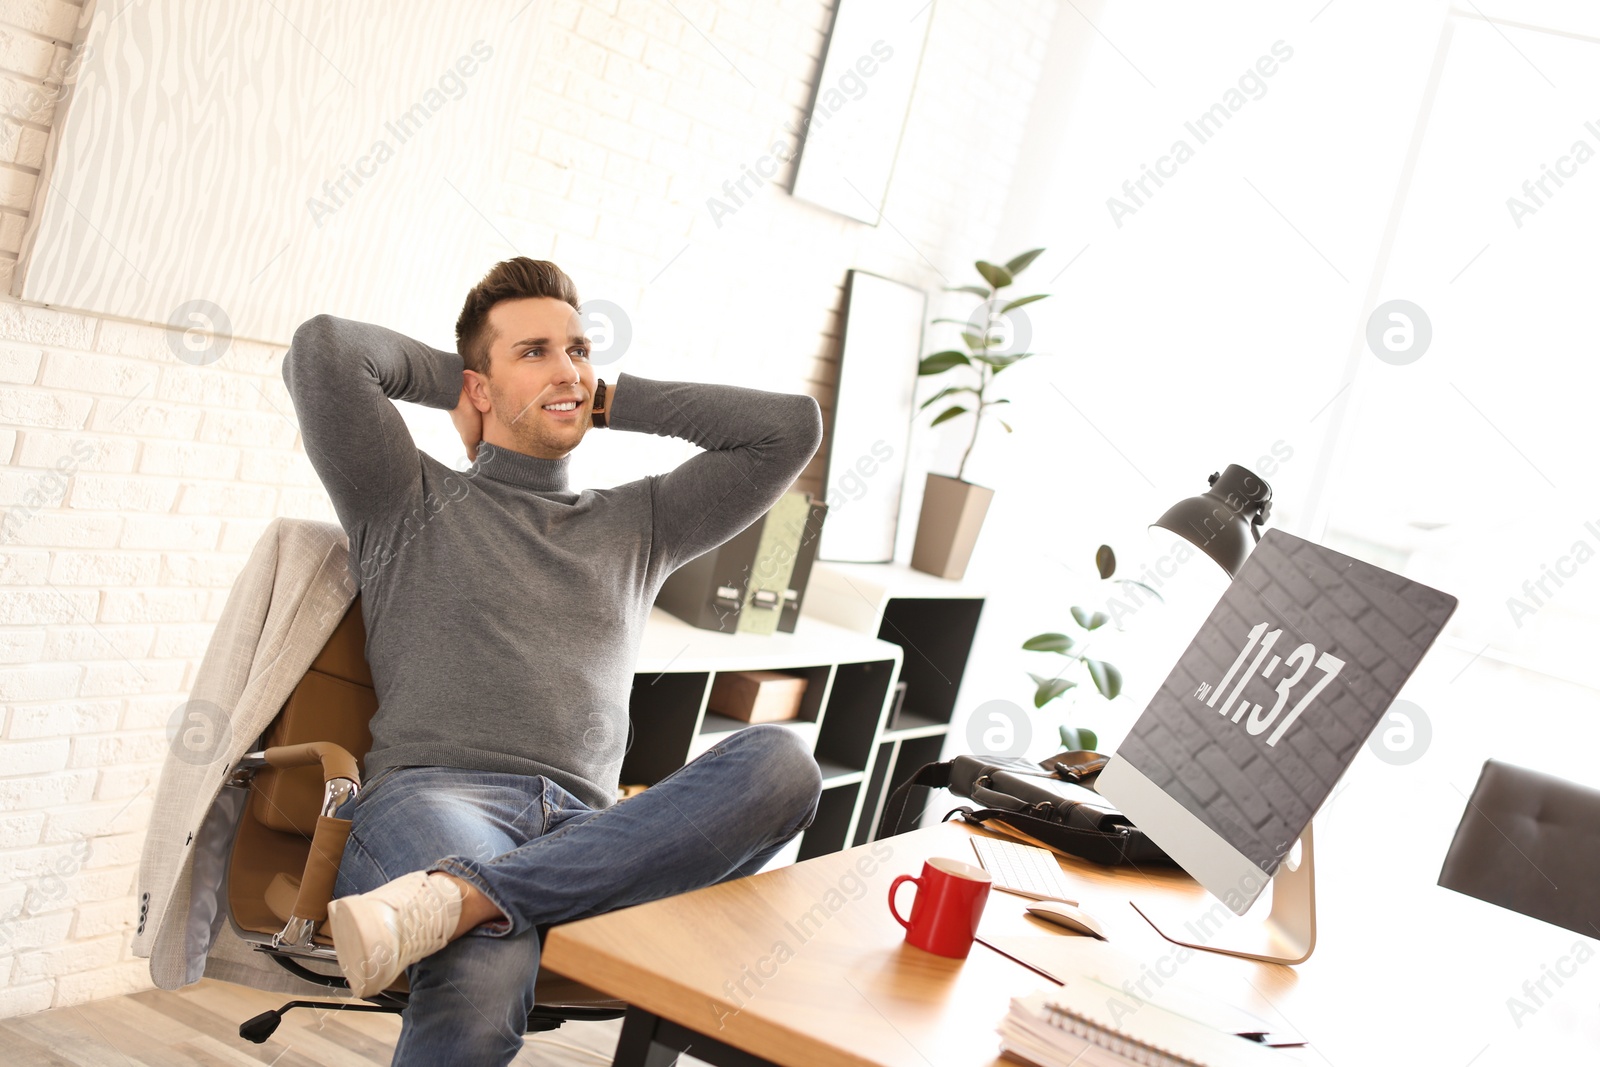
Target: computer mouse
{"points": [[1073, 920]]}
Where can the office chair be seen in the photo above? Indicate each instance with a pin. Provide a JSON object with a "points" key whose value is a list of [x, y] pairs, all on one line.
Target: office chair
{"points": [[1530, 842], [286, 853]]}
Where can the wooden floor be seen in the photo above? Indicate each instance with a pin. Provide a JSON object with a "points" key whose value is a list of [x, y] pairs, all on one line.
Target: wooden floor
{"points": [[198, 1026]]}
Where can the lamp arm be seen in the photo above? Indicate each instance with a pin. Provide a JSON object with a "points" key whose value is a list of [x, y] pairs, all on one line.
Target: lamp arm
{"points": [[1260, 519]]}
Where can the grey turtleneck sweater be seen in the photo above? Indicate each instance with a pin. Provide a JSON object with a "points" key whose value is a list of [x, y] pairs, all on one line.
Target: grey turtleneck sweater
{"points": [[503, 609]]}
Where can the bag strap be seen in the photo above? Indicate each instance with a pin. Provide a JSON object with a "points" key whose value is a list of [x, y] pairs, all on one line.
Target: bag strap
{"points": [[932, 775]]}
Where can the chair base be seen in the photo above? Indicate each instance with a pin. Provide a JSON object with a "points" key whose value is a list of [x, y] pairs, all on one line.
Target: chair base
{"points": [[542, 1018], [261, 1027]]}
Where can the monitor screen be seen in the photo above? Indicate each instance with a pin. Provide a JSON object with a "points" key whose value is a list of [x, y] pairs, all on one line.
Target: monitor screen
{"points": [[1277, 692]]}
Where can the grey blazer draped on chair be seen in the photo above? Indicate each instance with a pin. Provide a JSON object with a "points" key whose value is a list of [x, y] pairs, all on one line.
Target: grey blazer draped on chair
{"points": [[293, 591]]}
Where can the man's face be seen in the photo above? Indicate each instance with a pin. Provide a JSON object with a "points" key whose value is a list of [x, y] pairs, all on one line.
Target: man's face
{"points": [[538, 356]]}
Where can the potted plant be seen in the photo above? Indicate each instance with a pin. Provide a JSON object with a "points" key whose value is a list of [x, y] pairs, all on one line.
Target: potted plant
{"points": [[953, 509], [1107, 679]]}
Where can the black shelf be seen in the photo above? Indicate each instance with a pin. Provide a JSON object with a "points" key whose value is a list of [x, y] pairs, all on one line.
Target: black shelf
{"points": [[661, 717], [851, 725], [936, 636], [910, 721], [860, 757], [721, 724], [827, 831], [875, 797], [913, 753], [831, 770]]}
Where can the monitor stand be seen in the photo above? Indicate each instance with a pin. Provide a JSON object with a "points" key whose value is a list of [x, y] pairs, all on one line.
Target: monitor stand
{"points": [[1286, 935]]}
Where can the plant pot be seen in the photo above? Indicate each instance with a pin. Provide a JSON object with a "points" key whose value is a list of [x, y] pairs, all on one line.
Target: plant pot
{"points": [[952, 515]]}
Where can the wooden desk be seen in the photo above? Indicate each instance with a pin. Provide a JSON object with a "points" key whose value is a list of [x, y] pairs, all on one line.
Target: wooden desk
{"points": [[736, 974]]}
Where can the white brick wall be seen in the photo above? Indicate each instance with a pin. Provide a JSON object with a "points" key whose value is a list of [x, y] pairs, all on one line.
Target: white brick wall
{"points": [[137, 484]]}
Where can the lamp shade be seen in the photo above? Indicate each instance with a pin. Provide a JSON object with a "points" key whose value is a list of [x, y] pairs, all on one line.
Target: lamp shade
{"points": [[1225, 521]]}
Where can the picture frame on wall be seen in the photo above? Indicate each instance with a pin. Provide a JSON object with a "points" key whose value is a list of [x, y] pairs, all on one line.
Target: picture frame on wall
{"points": [[860, 104], [869, 444]]}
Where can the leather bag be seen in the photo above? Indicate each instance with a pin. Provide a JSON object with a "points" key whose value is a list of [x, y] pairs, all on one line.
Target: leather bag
{"points": [[1052, 801]]}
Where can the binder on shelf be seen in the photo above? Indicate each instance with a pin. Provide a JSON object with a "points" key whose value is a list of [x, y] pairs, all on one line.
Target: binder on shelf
{"points": [[768, 584], [805, 556], [736, 587]]}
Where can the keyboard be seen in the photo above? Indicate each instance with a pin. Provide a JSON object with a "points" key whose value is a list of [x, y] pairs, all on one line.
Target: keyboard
{"points": [[1026, 870]]}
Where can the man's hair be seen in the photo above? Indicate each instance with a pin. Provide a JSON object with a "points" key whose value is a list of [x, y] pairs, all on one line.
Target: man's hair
{"points": [[510, 279]]}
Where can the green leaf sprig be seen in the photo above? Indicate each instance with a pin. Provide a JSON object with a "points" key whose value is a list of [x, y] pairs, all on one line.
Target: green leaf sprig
{"points": [[1106, 678], [977, 356]]}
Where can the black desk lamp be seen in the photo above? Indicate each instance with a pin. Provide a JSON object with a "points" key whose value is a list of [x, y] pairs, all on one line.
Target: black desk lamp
{"points": [[1225, 521]]}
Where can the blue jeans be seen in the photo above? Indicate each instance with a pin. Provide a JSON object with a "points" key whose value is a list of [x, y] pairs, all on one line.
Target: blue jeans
{"points": [[542, 856]]}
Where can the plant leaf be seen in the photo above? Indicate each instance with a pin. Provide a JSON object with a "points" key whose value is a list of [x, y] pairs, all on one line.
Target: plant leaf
{"points": [[998, 277], [1006, 424], [957, 321], [1017, 264], [1049, 643], [949, 390], [1106, 561], [947, 414], [976, 342], [1049, 689], [1107, 678], [975, 290], [940, 362], [1088, 621], [1000, 363], [1140, 585], [992, 403], [1023, 300], [1078, 738]]}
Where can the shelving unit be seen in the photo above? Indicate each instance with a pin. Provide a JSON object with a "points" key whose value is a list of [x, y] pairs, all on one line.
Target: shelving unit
{"points": [[934, 622], [864, 627], [850, 681]]}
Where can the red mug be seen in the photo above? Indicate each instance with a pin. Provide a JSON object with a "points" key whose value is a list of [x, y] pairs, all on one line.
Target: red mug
{"points": [[947, 907]]}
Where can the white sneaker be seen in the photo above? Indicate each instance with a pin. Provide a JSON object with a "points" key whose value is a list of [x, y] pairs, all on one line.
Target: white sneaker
{"points": [[377, 935]]}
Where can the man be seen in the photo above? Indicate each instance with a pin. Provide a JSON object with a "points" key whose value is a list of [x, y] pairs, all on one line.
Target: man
{"points": [[504, 612]]}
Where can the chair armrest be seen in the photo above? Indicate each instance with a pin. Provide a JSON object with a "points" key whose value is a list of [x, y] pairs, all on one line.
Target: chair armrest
{"points": [[322, 869], [335, 759], [328, 840]]}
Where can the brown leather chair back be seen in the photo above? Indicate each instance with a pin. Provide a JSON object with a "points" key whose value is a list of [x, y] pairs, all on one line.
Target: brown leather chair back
{"points": [[335, 701]]}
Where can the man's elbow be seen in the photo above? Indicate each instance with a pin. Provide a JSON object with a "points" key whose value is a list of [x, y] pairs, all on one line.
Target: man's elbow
{"points": [[809, 423], [316, 334]]}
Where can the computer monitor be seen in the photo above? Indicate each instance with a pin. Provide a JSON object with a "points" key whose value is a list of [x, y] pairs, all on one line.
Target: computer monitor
{"points": [[1293, 669]]}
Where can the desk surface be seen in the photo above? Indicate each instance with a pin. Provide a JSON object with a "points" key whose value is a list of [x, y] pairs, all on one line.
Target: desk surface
{"points": [[804, 966]]}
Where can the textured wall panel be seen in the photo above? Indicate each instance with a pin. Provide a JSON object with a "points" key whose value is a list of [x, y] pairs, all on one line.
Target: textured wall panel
{"points": [[274, 160]]}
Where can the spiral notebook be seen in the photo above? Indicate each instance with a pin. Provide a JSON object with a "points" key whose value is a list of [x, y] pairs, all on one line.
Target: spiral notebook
{"points": [[1049, 1028]]}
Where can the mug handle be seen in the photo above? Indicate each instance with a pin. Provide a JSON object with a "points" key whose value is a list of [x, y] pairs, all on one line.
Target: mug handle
{"points": [[896, 885]]}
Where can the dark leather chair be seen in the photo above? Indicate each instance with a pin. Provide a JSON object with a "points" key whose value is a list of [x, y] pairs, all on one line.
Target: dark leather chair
{"points": [[286, 853], [1530, 842]]}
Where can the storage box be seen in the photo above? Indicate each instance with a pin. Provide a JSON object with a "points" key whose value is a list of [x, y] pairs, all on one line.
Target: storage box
{"points": [[714, 590], [757, 696]]}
